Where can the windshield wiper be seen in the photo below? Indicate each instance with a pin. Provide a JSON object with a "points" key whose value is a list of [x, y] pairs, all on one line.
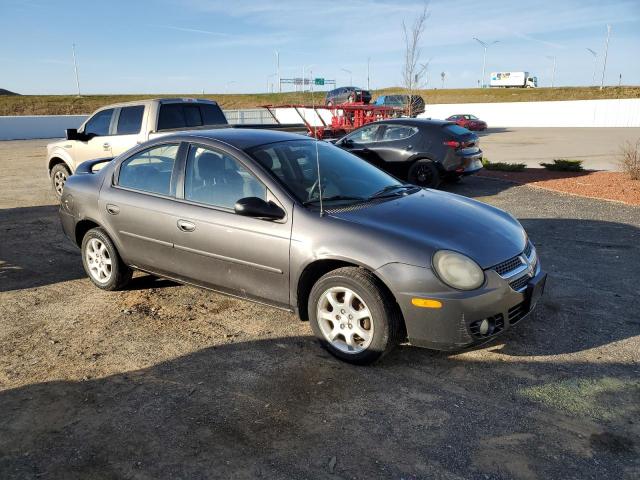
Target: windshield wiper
{"points": [[334, 198], [387, 191]]}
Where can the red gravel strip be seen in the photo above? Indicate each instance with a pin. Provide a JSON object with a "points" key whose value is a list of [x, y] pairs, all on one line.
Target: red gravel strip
{"points": [[604, 185]]}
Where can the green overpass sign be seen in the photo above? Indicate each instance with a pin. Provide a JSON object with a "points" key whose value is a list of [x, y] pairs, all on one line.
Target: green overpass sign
{"points": [[318, 81]]}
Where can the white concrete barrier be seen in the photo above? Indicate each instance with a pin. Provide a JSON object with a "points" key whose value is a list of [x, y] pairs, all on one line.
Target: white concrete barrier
{"points": [[37, 126], [573, 113]]}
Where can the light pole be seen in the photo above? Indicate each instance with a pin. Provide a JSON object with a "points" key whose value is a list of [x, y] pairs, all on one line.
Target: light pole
{"points": [[595, 64], [606, 51], [75, 66], [269, 81], [278, 71], [485, 45], [304, 69], [368, 65], [350, 76], [553, 74]]}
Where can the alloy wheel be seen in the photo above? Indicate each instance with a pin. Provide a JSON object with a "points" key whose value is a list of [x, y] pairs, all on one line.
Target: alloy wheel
{"points": [[59, 178], [98, 260], [345, 320]]}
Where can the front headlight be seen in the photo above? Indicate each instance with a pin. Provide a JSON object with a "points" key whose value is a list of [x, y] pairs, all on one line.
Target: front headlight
{"points": [[457, 270]]}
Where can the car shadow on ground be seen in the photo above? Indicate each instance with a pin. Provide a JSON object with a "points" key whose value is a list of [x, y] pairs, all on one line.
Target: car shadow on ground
{"points": [[282, 408]]}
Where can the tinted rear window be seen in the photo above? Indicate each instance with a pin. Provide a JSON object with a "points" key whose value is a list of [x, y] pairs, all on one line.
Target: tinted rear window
{"points": [[130, 120], [186, 115], [456, 129]]}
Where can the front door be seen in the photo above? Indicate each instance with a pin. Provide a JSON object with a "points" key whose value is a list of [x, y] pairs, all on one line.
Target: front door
{"points": [[99, 145], [139, 208], [217, 248], [361, 143]]}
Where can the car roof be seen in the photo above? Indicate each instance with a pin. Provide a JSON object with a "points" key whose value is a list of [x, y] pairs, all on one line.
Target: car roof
{"points": [[417, 122], [241, 138]]}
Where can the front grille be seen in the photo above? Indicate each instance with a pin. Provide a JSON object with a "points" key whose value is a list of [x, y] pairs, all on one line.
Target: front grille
{"points": [[516, 313], [520, 283], [496, 326], [508, 266]]}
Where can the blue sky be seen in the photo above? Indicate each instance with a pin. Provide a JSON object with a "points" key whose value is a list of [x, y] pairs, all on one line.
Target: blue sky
{"points": [[183, 46]]}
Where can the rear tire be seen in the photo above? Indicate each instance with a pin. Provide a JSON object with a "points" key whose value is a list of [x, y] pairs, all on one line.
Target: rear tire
{"points": [[59, 174], [424, 173], [353, 316], [102, 263]]}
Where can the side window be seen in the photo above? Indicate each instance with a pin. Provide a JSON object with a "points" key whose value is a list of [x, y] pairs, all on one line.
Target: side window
{"points": [[130, 120], [398, 132], [181, 115], [149, 170], [98, 125], [217, 179], [365, 134]]}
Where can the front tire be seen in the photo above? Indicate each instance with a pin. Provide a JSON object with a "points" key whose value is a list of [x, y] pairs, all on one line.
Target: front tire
{"points": [[102, 263], [59, 175], [424, 173], [353, 316]]}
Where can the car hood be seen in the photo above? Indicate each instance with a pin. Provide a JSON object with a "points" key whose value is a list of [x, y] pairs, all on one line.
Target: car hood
{"points": [[432, 220]]}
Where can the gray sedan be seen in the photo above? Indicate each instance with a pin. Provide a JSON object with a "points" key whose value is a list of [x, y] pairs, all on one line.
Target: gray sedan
{"points": [[304, 226]]}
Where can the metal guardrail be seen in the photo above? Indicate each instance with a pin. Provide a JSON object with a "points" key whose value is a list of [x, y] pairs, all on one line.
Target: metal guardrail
{"points": [[254, 115]]}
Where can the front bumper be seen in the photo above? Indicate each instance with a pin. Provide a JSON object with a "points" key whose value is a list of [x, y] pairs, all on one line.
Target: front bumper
{"points": [[456, 324]]}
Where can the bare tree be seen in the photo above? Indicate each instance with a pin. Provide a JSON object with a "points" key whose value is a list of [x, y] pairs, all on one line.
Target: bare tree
{"points": [[413, 71]]}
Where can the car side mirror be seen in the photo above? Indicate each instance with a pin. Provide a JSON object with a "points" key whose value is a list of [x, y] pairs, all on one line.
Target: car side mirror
{"points": [[257, 208], [347, 142], [72, 134]]}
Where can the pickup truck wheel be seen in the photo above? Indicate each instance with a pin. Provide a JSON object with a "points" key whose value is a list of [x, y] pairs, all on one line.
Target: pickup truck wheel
{"points": [[102, 262], [424, 173], [59, 175], [353, 317]]}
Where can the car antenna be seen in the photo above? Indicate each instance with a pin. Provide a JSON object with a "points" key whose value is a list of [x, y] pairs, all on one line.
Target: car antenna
{"points": [[315, 136]]}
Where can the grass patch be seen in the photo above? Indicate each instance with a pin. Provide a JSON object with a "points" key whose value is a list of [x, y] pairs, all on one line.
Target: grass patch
{"points": [[503, 166], [564, 165], [70, 104], [586, 397]]}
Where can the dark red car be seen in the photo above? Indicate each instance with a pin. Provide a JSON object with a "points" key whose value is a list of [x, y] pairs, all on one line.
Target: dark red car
{"points": [[470, 122]]}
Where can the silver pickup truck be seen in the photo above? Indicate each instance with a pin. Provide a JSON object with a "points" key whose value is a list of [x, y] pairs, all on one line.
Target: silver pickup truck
{"points": [[114, 129]]}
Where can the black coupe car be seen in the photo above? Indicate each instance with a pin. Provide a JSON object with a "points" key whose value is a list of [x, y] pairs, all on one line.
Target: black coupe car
{"points": [[422, 151], [342, 95]]}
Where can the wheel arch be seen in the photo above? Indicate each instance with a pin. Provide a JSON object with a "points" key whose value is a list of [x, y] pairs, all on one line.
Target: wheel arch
{"points": [[316, 269], [56, 160], [82, 227]]}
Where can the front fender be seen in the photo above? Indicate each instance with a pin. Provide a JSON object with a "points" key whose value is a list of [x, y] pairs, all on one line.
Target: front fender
{"points": [[62, 154]]}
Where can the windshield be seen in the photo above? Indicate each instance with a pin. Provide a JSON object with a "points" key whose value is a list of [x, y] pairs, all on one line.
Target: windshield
{"points": [[345, 178]]}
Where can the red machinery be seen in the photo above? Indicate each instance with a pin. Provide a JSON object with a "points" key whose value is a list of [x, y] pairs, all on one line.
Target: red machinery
{"points": [[344, 118]]}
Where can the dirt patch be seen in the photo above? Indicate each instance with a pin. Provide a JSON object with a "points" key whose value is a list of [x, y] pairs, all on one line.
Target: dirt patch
{"points": [[604, 185]]}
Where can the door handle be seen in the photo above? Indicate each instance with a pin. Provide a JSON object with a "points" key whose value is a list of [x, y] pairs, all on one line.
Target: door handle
{"points": [[106, 146], [186, 226], [113, 209]]}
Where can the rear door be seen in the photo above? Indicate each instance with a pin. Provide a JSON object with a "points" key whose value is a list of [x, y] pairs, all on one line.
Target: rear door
{"points": [[140, 209], [214, 246], [128, 123]]}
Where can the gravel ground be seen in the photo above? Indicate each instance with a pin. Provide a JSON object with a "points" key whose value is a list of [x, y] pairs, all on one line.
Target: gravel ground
{"points": [[168, 381]]}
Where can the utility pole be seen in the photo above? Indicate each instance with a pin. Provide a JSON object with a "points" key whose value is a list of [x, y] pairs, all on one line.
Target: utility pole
{"points": [[485, 45], [595, 64], [368, 65], [443, 74], [75, 66], [553, 73], [606, 51], [278, 71]]}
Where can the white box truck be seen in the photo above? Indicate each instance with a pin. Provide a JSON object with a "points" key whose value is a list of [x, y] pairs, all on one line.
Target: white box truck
{"points": [[513, 79]]}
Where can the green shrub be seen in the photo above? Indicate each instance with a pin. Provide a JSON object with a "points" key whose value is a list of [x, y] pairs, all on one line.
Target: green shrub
{"points": [[503, 166], [564, 165]]}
